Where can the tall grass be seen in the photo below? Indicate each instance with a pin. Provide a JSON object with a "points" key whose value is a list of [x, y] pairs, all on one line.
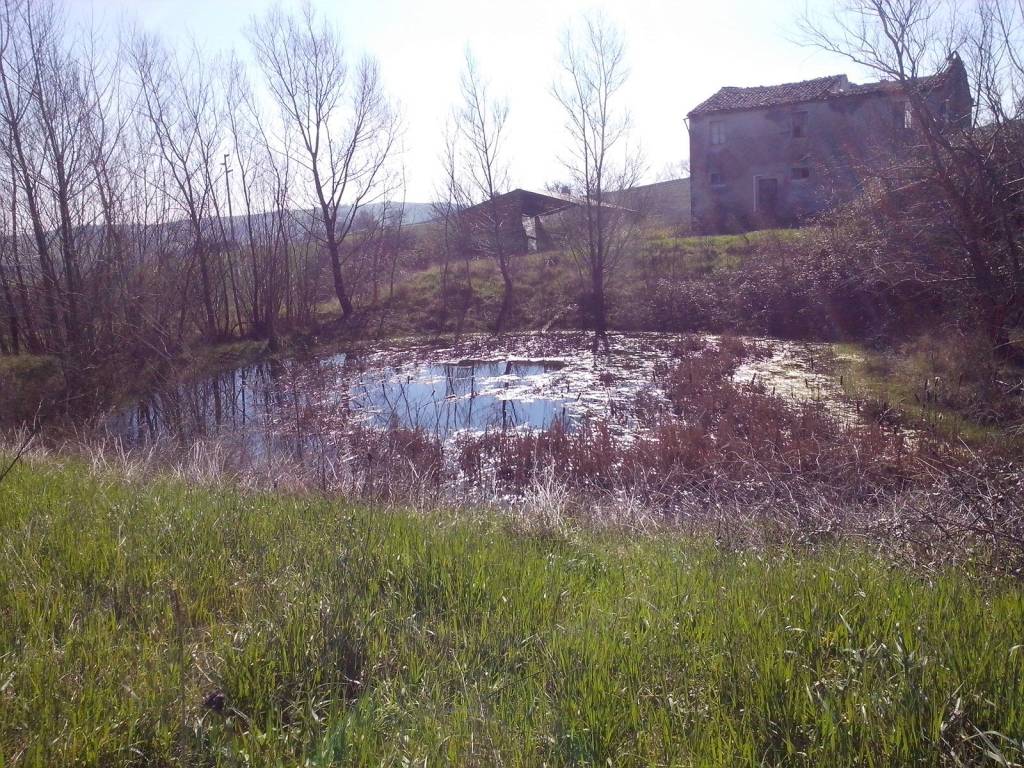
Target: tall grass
{"points": [[170, 624]]}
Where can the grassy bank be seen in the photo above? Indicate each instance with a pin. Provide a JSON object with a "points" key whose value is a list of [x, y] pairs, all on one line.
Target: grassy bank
{"points": [[175, 625], [783, 283], [951, 386], [548, 287]]}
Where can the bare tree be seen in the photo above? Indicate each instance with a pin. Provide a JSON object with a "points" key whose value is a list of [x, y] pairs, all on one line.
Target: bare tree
{"points": [[23, 29], [484, 177], [110, 165], [120, 172], [62, 113], [346, 128], [450, 202], [962, 186], [185, 111], [600, 159], [243, 115]]}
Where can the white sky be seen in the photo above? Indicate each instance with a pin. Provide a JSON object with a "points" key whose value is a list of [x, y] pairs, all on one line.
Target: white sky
{"points": [[679, 52]]}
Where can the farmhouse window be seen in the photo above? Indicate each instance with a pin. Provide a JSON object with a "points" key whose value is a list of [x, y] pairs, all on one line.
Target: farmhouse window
{"points": [[799, 125], [717, 132], [902, 115], [800, 172], [716, 180]]}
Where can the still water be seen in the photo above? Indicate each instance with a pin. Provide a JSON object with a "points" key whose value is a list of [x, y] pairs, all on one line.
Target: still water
{"points": [[517, 382], [441, 392]]}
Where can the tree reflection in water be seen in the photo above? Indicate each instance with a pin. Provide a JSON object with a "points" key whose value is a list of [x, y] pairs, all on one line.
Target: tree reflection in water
{"points": [[294, 405]]}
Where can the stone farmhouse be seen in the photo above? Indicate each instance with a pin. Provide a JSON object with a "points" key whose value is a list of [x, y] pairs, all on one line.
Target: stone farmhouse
{"points": [[776, 155]]}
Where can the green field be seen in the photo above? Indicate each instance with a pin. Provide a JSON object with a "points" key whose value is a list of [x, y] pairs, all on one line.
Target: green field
{"points": [[548, 284], [949, 386], [165, 624]]}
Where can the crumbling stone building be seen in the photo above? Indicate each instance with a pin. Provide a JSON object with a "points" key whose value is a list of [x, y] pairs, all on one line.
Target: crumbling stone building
{"points": [[777, 155], [522, 221], [512, 222]]}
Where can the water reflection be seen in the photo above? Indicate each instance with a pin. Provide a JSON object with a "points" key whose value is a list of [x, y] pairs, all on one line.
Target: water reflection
{"points": [[474, 395], [270, 404]]}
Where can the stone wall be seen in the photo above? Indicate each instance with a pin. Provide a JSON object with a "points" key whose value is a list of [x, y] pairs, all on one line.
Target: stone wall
{"points": [[664, 203], [842, 139]]}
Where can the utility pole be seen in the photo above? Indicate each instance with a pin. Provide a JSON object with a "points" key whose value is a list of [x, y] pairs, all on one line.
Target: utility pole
{"points": [[227, 189]]}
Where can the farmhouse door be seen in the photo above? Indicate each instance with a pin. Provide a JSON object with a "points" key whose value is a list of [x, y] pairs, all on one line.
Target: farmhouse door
{"points": [[767, 197]]}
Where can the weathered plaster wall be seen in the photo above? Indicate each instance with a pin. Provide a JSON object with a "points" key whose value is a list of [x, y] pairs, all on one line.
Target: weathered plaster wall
{"points": [[843, 137]]}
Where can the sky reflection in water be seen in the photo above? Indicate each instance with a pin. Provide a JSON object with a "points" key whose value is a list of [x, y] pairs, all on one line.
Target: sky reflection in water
{"points": [[475, 395], [321, 396]]}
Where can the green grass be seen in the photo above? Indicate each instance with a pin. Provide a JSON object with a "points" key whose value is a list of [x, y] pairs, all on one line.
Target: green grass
{"points": [[945, 385], [723, 245], [544, 284], [547, 283], [352, 636]]}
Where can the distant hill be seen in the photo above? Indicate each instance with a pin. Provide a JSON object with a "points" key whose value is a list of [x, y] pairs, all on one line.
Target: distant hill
{"points": [[412, 213]]}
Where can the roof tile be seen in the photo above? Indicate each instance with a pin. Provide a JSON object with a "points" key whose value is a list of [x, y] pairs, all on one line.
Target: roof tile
{"points": [[731, 98]]}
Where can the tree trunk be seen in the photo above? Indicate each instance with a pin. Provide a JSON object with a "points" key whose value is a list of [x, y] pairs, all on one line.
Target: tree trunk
{"points": [[31, 340], [269, 322], [506, 296], [12, 312], [339, 282], [600, 311], [51, 287], [71, 278], [204, 276]]}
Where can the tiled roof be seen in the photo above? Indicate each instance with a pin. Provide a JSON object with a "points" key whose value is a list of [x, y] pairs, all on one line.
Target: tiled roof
{"points": [[731, 98], [888, 86]]}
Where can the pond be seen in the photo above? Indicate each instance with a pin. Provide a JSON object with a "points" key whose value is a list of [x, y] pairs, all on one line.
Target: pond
{"points": [[470, 394], [480, 384]]}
